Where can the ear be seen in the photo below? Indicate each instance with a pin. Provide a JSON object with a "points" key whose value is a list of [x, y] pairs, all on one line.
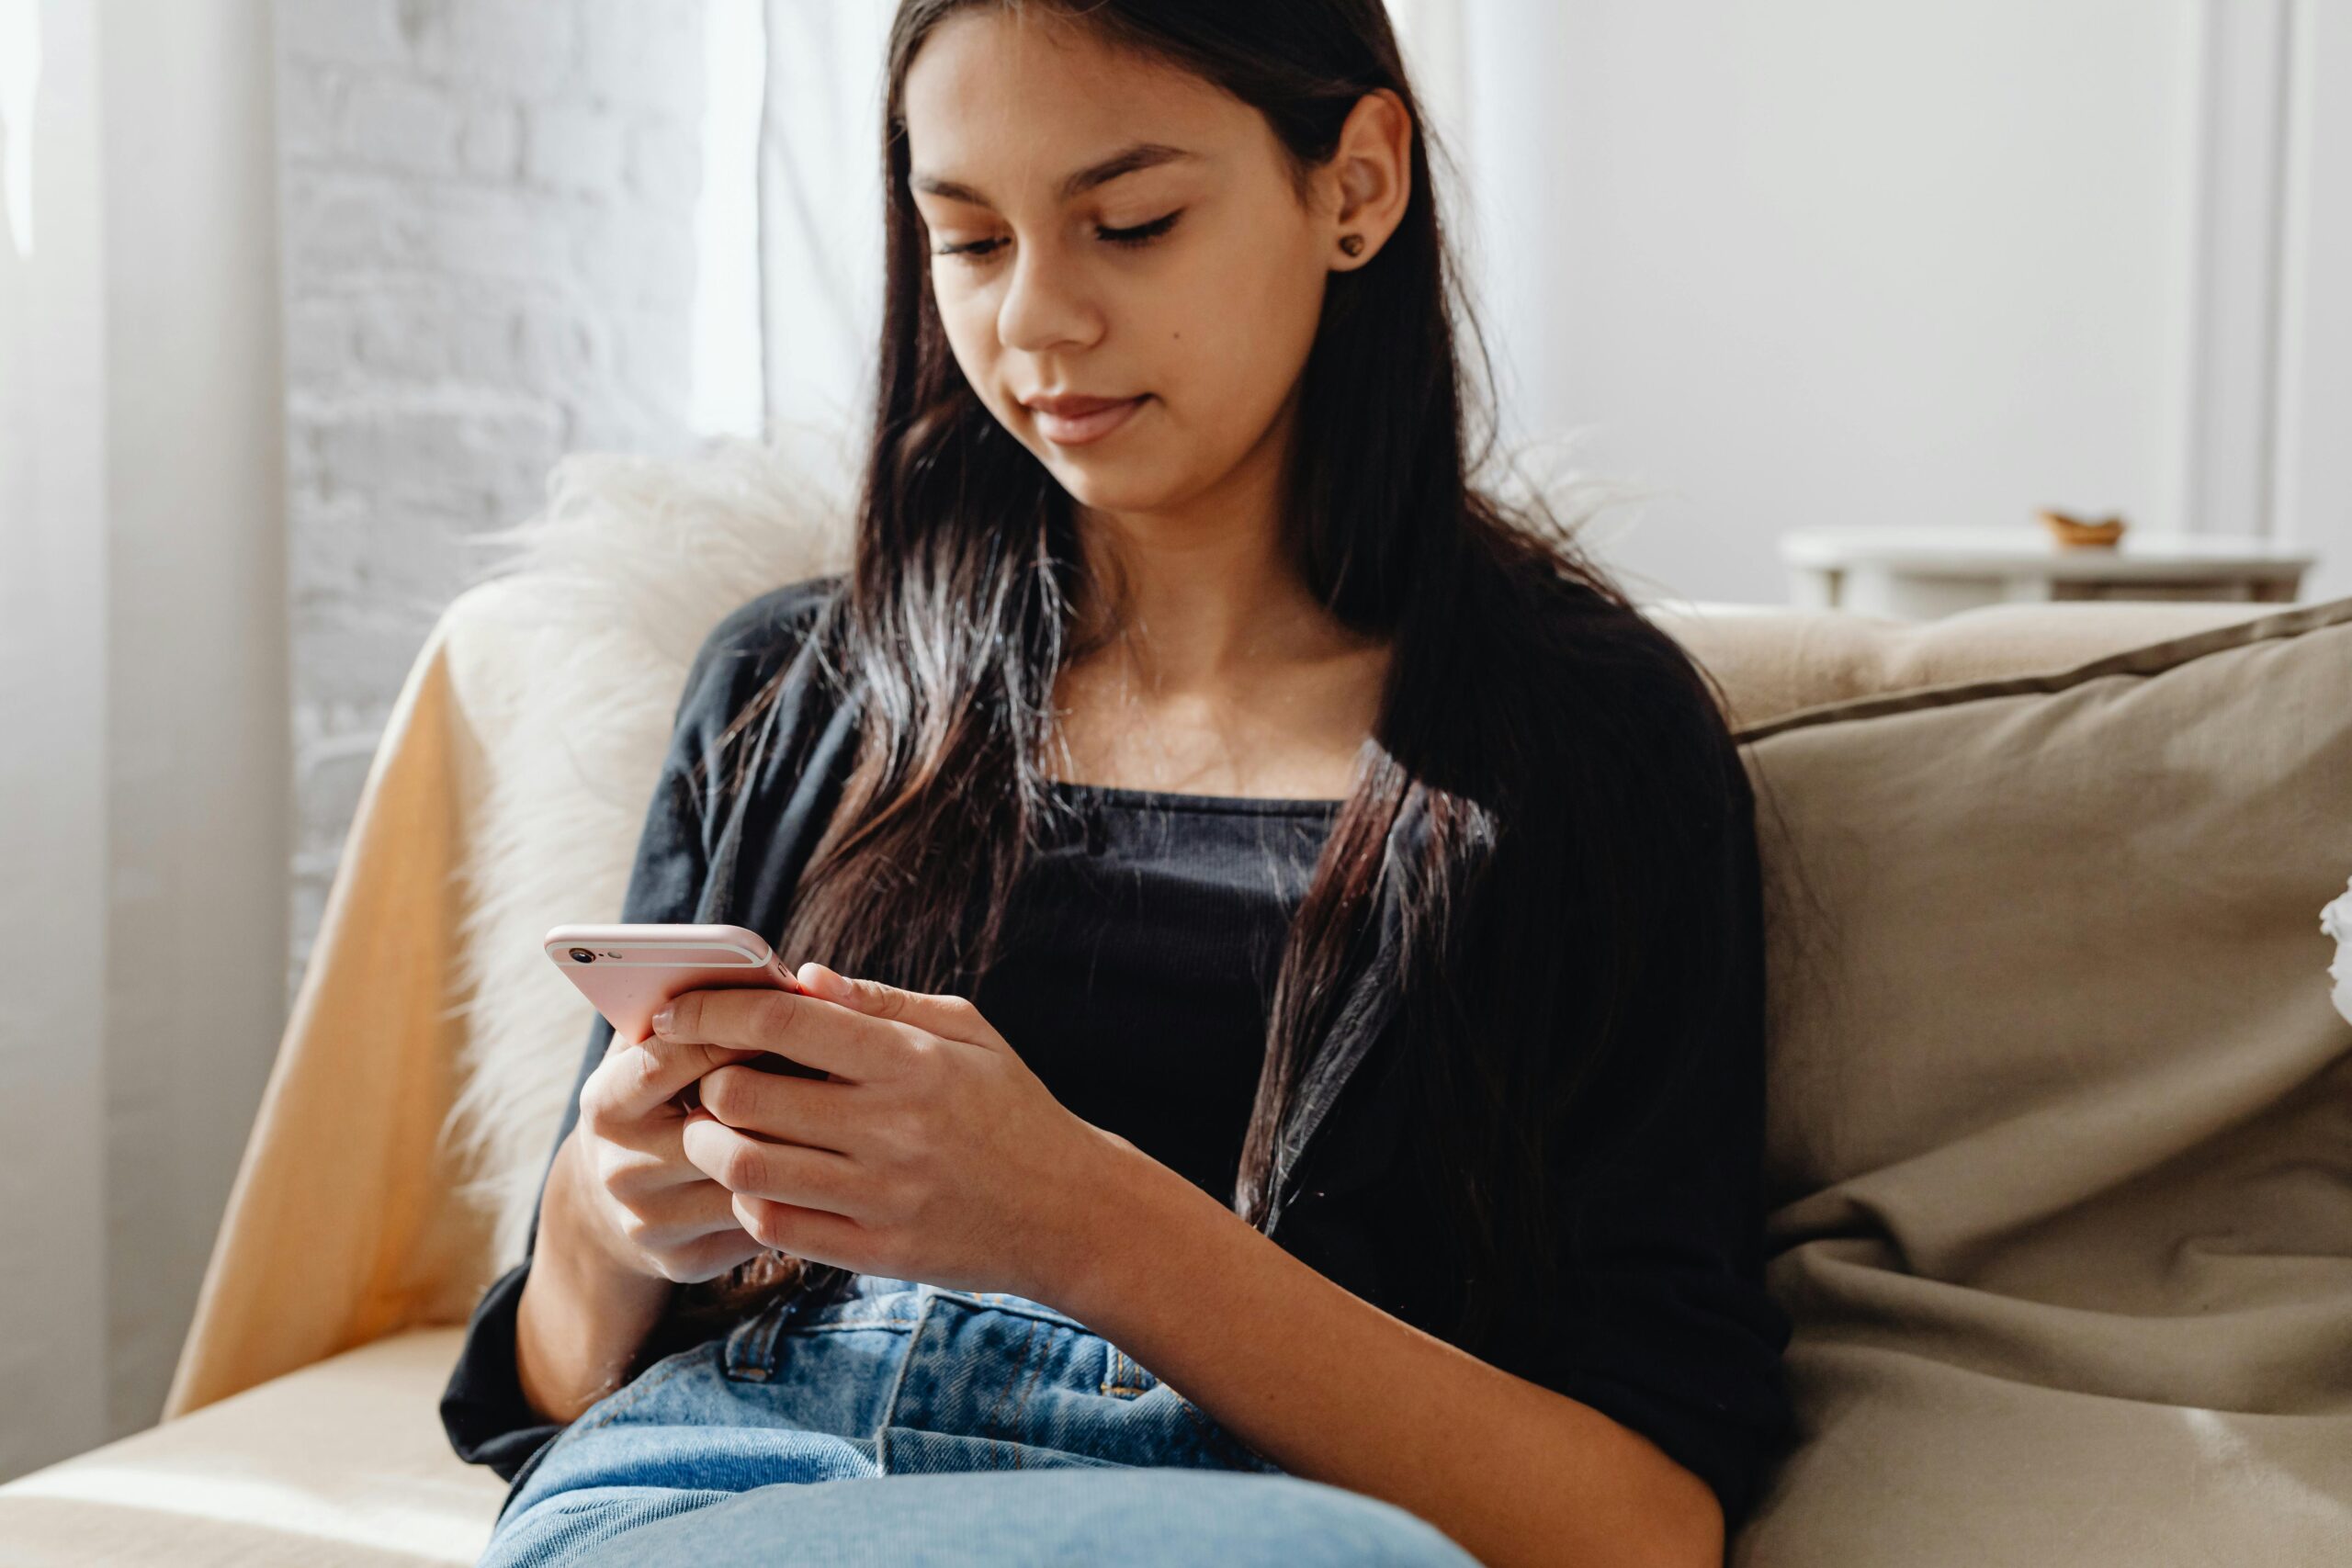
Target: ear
{"points": [[1369, 176]]}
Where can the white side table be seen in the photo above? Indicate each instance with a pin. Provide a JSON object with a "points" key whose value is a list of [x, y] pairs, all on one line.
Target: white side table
{"points": [[1920, 573], [2335, 920]]}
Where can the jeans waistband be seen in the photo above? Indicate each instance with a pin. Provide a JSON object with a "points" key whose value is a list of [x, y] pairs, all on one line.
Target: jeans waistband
{"points": [[869, 1301], [878, 1298]]}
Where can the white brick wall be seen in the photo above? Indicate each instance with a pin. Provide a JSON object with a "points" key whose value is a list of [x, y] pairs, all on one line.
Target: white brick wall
{"points": [[489, 261]]}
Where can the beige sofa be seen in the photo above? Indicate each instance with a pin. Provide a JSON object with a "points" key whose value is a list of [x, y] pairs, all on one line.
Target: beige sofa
{"points": [[1970, 1392]]}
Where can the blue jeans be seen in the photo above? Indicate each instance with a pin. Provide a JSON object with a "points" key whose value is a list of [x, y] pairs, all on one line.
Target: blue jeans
{"points": [[902, 1422]]}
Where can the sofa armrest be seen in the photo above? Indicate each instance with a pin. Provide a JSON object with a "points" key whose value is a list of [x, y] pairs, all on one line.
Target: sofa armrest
{"points": [[341, 1226]]}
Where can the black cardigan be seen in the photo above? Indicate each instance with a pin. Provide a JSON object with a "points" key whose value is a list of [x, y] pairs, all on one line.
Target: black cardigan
{"points": [[1678, 1339]]}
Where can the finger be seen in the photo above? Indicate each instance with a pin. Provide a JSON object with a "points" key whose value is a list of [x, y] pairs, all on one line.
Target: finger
{"points": [[816, 1235], [949, 1017], [717, 1253], [686, 1099], [810, 1112], [806, 1030], [696, 1236], [669, 1219], [786, 1173], [643, 1163], [633, 1080]]}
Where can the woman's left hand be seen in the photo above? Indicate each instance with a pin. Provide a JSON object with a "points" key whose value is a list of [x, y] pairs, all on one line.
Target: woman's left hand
{"points": [[932, 1153]]}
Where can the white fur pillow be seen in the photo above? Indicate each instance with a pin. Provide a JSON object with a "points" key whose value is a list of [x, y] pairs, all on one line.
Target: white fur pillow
{"points": [[574, 650]]}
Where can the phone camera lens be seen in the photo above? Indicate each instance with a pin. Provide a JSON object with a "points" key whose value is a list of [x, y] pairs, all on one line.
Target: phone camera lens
{"points": [[581, 956]]}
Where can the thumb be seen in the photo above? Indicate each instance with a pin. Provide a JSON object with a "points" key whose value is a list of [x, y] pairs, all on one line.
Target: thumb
{"points": [[952, 1018], [825, 984]]}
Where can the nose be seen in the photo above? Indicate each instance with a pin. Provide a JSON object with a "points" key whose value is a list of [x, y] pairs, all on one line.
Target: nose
{"points": [[1045, 304]]}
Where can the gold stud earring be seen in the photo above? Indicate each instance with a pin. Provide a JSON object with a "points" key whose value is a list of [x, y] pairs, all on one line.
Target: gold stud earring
{"points": [[1351, 243]]}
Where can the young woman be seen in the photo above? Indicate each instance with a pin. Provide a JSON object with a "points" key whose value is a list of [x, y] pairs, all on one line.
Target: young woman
{"points": [[1304, 922]]}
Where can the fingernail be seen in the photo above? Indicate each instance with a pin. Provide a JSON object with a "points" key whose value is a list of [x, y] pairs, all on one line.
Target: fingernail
{"points": [[662, 1017]]}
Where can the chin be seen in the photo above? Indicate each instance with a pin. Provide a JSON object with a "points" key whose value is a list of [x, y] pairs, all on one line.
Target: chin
{"points": [[1120, 499], [1108, 488]]}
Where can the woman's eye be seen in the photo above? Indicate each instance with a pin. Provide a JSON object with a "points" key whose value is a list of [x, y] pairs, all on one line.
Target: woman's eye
{"points": [[1143, 234], [977, 250]]}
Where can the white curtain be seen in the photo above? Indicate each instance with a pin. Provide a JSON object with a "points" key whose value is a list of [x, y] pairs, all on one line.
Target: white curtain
{"points": [[53, 794], [821, 208], [1429, 33], [144, 768]]}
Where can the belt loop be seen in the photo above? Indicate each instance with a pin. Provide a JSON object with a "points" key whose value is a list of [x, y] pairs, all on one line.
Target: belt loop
{"points": [[751, 1344]]}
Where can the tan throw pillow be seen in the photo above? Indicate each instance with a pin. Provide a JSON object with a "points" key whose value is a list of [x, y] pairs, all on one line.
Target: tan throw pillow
{"points": [[2059, 1154]]}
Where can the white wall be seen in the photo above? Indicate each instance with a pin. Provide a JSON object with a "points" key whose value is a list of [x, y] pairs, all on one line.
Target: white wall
{"points": [[2313, 495], [142, 699], [1846, 261], [489, 260]]}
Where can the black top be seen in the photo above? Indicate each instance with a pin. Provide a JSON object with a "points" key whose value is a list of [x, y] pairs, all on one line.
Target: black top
{"points": [[1140, 963], [1141, 954]]}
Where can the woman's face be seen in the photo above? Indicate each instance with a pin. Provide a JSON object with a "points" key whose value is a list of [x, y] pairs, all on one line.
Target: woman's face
{"points": [[1107, 228]]}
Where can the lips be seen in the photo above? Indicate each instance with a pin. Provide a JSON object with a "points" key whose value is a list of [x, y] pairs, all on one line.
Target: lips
{"points": [[1070, 420], [1071, 405]]}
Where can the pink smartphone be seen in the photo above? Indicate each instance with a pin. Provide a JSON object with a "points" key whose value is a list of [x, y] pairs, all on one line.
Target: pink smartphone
{"points": [[626, 971]]}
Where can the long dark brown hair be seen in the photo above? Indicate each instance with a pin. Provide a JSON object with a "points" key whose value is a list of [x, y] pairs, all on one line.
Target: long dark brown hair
{"points": [[1567, 754]]}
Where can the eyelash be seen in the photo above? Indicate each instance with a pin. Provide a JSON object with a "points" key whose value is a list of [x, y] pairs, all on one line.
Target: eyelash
{"points": [[1142, 234]]}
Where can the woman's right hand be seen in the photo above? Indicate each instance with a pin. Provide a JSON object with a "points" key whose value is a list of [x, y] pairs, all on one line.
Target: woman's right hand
{"points": [[643, 1205]]}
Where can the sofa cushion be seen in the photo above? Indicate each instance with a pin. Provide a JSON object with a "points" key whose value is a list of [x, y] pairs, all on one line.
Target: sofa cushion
{"points": [[2059, 1151], [344, 1463], [1773, 659]]}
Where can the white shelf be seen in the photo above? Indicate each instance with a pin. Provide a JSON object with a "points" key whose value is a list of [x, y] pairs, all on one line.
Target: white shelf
{"points": [[1923, 572]]}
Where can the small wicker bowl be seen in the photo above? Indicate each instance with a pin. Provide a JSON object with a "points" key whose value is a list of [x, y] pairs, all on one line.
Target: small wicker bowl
{"points": [[2074, 532]]}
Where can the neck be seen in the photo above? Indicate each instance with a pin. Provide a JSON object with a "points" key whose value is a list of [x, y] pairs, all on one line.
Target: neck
{"points": [[1209, 590]]}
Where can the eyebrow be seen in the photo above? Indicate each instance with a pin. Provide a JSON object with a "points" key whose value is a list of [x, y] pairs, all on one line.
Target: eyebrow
{"points": [[1142, 155]]}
